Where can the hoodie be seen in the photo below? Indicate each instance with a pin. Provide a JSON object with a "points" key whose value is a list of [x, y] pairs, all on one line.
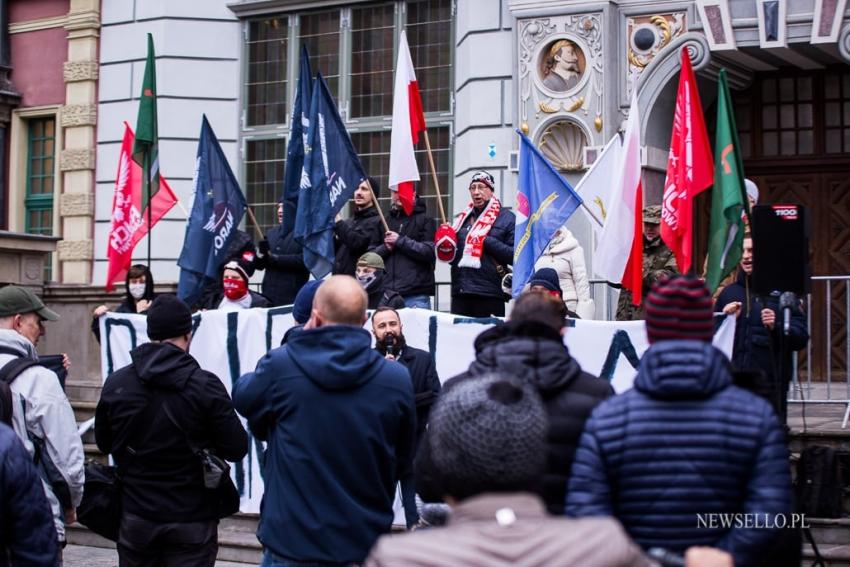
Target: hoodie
{"points": [[684, 442], [340, 422], [163, 481]]}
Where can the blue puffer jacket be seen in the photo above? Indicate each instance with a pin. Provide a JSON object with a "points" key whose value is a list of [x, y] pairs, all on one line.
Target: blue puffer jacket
{"points": [[27, 534], [498, 250], [684, 443]]}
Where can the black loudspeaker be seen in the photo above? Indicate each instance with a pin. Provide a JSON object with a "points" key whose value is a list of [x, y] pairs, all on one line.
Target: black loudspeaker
{"points": [[781, 249]]}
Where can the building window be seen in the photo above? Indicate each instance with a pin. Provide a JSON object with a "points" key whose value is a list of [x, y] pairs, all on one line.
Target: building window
{"points": [[38, 203], [355, 48], [264, 161]]}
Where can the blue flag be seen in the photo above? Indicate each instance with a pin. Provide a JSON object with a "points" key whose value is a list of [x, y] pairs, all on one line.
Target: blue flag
{"points": [[218, 208], [334, 172], [293, 178], [544, 202]]}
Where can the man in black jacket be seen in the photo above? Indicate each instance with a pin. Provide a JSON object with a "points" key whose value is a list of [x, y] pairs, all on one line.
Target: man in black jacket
{"points": [[355, 236], [147, 415], [390, 342], [408, 252], [531, 347], [485, 248], [282, 258]]}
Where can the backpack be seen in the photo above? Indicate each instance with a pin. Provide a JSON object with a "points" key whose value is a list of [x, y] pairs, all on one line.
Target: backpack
{"points": [[8, 373], [819, 483]]}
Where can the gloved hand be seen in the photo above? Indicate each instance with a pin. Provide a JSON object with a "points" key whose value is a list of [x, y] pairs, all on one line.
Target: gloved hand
{"points": [[262, 247]]}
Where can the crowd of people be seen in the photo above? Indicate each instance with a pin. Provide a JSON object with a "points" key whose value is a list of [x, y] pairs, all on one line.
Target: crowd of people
{"points": [[538, 461]]}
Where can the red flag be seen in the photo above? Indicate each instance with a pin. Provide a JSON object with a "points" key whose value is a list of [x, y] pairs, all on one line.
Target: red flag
{"points": [[128, 220], [633, 275], [690, 168], [408, 122]]}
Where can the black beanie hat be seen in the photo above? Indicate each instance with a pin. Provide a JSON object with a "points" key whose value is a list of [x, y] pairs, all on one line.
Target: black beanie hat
{"points": [[376, 188], [168, 317]]}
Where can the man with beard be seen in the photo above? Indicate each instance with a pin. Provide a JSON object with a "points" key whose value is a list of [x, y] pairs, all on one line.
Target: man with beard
{"points": [[390, 342], [658, 263], [408, 252], [373, 277], [355, 236], [564, 72]]}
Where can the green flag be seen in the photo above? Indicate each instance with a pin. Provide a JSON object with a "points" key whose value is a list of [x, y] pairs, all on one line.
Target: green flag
{"points": [[146, 147], [726, 236]]}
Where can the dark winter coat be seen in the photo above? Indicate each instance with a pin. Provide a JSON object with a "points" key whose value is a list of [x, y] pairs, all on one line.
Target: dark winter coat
{"points": [[354, 237], [214, 300], [242, 249], [426, 384], [164, 481], [128, 305], [340, 421], [537, 355], [27, 534], [410, 264], [381, 295], [684, 441], [285, 272], [757, 348], [498, 251]]}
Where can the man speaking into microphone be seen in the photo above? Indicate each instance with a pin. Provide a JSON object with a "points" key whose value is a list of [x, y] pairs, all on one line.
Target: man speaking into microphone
{"points": [[768, 329]]}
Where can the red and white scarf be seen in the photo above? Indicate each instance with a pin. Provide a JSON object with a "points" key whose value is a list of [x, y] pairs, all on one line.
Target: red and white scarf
{"points": [[473, 248]]}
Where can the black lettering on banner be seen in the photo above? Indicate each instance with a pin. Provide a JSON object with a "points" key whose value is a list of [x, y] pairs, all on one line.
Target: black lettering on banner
{"points": [[620, 344]]}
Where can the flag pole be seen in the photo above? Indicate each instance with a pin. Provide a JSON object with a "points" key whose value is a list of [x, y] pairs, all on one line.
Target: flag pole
{"points": [[377, 206], [147, 190], [591, 213], [434, 176], [255, 223]]}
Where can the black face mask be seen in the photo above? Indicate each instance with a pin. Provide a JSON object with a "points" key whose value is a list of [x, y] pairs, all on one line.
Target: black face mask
{"points": [[391, 344]]}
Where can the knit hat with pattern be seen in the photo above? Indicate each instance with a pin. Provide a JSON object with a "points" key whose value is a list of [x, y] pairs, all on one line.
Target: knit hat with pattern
{"points": [[679, 308]]}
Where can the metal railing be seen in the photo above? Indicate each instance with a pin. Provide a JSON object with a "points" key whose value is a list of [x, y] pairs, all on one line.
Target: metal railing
{"points": [[819, 355]]}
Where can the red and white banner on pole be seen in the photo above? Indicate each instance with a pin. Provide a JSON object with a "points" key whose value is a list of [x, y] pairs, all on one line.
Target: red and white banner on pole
{"points": [[619, 255], [129, 224], [408, 122], [690, 168]]}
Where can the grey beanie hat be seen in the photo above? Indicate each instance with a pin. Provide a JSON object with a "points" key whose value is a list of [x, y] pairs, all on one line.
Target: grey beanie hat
{"points": [[488, 434]]}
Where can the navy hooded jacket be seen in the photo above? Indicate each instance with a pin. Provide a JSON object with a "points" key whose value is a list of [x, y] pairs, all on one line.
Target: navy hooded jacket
{"points": [[27, 534], [682, 444], [340, 422]]}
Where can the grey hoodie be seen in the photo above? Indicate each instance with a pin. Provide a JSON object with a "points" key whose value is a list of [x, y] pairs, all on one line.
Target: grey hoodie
{"points": [[42, 413]]}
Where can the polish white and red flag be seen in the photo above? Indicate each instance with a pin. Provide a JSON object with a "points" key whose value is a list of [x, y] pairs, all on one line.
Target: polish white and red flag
{"points": [[690, 168], [619, 255], [408, 122], [129, 221]]}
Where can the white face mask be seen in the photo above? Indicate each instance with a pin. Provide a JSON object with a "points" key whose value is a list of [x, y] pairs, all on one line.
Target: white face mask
{"points": [[366, 279], [137, 290]]}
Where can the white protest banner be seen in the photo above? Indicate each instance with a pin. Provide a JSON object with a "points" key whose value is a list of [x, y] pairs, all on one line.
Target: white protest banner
{"points": [[229, 344]]}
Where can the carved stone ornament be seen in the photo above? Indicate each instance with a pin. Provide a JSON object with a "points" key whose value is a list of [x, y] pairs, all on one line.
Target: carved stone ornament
{"points": [[563, 145], [75, 250], [75, 71], [33, 270], [79, 115], [76, 205], [76, 159], [647, 37], [531, 33]]}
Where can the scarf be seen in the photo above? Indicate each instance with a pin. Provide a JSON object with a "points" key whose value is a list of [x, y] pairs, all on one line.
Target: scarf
{"points": [[473, 248]]}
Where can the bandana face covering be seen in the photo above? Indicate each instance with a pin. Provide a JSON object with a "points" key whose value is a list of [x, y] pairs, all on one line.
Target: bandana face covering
{"points": [[234, 288], [366, 279], [137, 290]]}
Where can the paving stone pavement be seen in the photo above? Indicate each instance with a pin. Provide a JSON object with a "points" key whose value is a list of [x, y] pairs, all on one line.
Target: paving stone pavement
{"points": [[82, 556]]}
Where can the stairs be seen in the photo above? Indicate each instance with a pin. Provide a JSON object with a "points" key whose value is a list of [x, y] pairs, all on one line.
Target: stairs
{"points": [[237, 542], [833, 540]]}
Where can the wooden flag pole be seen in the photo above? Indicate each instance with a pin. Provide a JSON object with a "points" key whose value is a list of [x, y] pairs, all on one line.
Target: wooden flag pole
{"points": [[434, 177], [256, 224], [377, 205]]}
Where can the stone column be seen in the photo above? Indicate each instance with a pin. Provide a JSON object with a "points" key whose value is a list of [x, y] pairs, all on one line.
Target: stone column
{"points": [[77, 158]]}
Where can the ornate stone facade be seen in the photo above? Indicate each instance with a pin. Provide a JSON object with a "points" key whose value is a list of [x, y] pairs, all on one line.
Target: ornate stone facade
{"points": [[79, 115], [76, 204], [75, 250], [75, 71], [77, 159]]}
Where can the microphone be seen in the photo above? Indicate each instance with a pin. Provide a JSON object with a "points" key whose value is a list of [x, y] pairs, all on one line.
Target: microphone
{"points": [[390, 342], [786, 302]]}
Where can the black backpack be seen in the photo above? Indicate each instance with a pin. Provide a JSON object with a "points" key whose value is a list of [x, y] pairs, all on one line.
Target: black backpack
{"points": [[8, 373], [819, 483]]}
